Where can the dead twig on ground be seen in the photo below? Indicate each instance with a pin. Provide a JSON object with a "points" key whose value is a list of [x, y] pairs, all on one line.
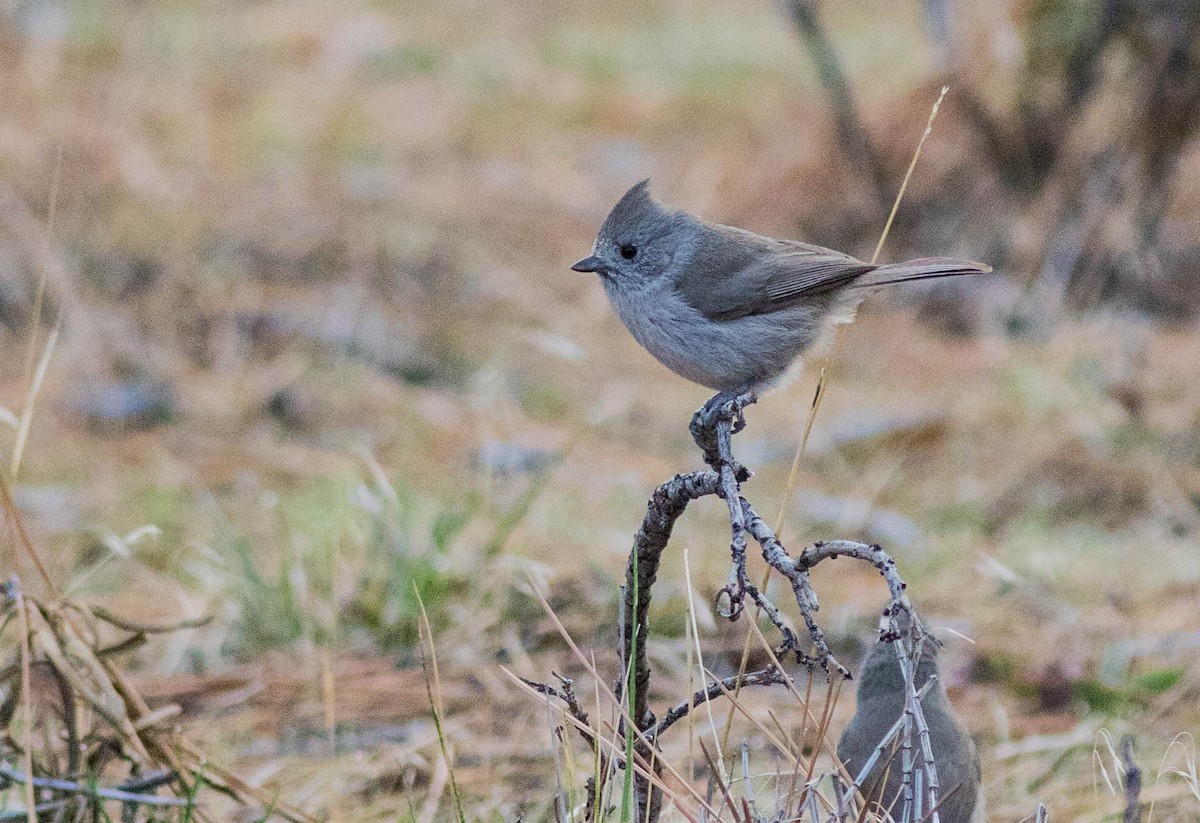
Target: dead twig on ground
{"points": [[87, 684], [72, 787]]}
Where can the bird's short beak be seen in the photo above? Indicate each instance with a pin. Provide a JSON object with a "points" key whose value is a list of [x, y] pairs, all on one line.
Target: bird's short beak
{"points": [[592, 263]]}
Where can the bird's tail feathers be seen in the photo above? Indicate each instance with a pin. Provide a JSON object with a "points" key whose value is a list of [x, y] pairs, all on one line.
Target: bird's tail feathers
{"points": [[924, 268]]}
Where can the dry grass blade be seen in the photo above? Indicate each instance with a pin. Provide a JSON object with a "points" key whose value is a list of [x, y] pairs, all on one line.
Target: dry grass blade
{"points": [[13, 515], [616, 753], [40, 295], [1188, 773], [793, 475], [142, 627], [433, 691], [120, 719], [329, 698], [609, 696], [75, 661], [35, 387], [26, 695], [698, 661], [714, 775], [908, 174]]}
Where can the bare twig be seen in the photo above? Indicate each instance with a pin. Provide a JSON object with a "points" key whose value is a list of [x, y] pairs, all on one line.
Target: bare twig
{"points": [[13, 515], [1133, 783], [138, 627], [766, 677], [90, 791], [665, 507], [567, 695], [922, 776], [861, 778], [713, 427]]}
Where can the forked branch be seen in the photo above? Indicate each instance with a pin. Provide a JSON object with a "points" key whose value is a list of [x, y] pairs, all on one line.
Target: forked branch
{"points": [[713, 427]]}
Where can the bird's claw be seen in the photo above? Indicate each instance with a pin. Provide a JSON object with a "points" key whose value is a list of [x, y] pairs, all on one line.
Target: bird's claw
{"points": [[730, 406]]}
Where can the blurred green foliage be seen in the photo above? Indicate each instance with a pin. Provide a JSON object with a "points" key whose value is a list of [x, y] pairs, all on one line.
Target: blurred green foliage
{"points": [[350, 561]]}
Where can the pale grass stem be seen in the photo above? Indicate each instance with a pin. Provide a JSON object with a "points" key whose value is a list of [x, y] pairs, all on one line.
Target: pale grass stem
{"points": [[1098, 758], [329, 698], [26, 703], [600, 797], [14, 517], [35, 386], [433, 691], [564, 762], [598, 766], [790, 489], [695, 632], [328, 659], [1188, 773], [40, 295], [908, 174], [691, 645], [631, 699], [609, 696]]}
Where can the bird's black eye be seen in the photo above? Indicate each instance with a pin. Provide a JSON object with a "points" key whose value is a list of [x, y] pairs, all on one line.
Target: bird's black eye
{"points": [[629, 251]]}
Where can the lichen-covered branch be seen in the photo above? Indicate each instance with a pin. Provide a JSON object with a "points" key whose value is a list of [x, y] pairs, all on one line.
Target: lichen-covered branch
{"points": [[712, 428], [666, 505]]}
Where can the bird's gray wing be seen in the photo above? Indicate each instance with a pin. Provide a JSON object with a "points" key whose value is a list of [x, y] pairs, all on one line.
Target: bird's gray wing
{"points": [[733, 273]]}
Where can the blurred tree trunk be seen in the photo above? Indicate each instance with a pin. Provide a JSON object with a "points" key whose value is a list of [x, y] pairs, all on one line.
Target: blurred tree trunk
{"points": [[1101, 204], [852, 134]]}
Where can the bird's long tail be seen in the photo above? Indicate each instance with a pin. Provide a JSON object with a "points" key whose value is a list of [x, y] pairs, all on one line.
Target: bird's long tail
{"points": [[924, 268]]}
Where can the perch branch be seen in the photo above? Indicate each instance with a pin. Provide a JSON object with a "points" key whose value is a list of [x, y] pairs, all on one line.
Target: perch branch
{"points": [[567, 695], [712, 427]]}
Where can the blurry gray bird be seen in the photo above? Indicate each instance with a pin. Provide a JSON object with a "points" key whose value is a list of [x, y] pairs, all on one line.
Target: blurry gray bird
{"points": [[728, 308], [880, 702]]}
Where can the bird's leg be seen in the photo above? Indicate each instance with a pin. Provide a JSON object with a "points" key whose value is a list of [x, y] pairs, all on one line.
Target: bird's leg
{"points": [[741, 399], [726, 405], [713, 427]]}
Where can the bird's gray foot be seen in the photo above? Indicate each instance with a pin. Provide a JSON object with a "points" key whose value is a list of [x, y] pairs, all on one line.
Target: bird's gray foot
{"points": [[727, 407]]}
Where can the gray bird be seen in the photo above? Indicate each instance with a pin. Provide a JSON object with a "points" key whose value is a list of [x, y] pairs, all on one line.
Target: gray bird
{"points": [[880, 702], [725, 307]]}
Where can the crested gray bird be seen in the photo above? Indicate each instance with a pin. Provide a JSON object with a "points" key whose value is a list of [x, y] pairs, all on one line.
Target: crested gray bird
{"points": [[880, 702], [727, 308]]}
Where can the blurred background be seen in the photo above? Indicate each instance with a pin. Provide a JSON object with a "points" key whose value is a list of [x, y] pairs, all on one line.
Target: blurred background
{"points": [[290, 339]]}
